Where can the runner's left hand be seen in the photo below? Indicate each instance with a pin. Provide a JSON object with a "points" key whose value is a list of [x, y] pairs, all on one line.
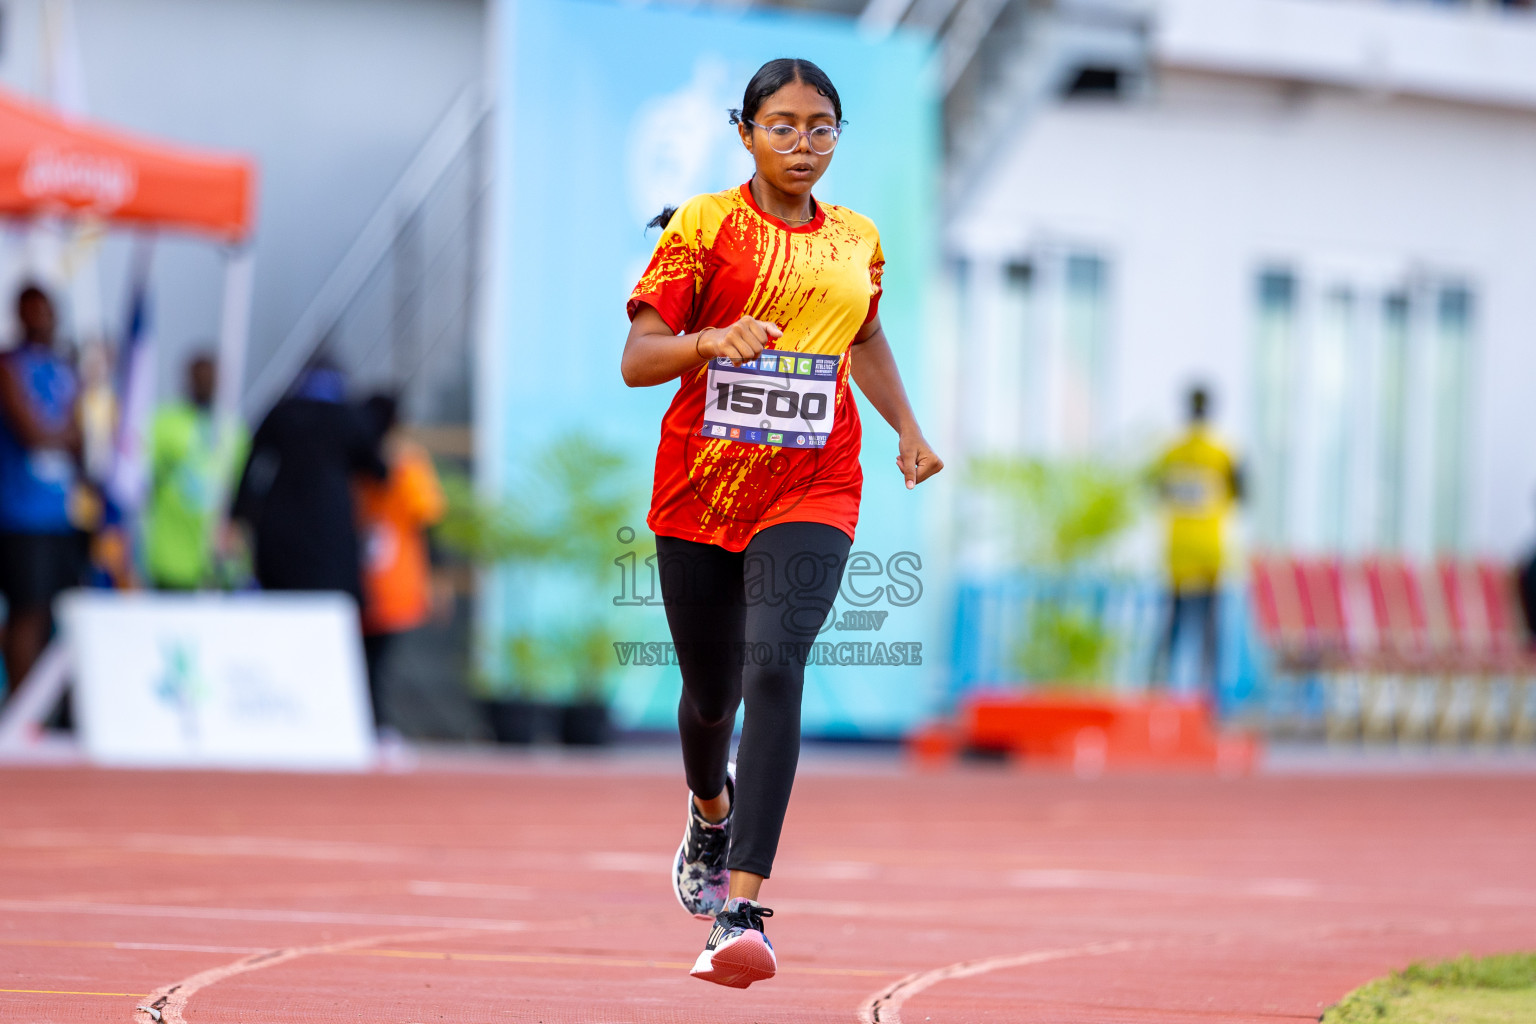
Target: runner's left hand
{"points": [[917, 460]]}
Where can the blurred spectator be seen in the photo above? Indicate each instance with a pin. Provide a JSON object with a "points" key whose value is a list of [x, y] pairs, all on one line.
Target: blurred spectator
{"points": [[41, 551], [296, 492], [1198, 481], [192, 467], [394, 515], [1528, 595], [110, 552], [98, 412]]}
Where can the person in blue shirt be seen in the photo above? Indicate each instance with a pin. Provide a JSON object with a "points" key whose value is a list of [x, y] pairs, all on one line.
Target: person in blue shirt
{"points": [[41, 551]]}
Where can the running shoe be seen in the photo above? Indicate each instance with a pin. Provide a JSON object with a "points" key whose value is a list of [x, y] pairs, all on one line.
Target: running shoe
{"points": [[699, 875], [737, 953]]}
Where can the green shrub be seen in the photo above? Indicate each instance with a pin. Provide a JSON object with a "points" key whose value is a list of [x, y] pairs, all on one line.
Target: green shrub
{"points": [[1064, 516], [1065, 513], [557, 529]]}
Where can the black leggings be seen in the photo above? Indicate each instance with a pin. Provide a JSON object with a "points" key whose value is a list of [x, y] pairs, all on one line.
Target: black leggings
{"points": [[741, 623]]}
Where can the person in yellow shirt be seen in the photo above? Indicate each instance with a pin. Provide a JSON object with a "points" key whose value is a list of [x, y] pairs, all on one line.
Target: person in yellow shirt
{"points": [[1198, 482]]}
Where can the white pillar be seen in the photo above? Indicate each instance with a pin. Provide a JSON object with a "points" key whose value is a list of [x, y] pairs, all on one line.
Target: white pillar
{"points": [[234, 332]]}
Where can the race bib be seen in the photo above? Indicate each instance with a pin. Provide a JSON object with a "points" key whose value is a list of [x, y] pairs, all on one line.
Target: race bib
{"points": [[1193, 490], [785, 399]]}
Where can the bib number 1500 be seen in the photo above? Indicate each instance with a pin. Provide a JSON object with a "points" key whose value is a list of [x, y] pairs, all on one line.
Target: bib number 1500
{"points": [[788, 399], [775, 403]]}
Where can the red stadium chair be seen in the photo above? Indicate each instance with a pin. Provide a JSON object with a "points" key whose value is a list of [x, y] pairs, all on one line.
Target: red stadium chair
{"points": [[1304, 617], [1511, 644], [1402, 701]]}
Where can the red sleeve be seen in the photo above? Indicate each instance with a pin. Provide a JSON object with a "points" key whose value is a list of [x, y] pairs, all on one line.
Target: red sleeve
{"points": [[672, 280], [876, 272]]}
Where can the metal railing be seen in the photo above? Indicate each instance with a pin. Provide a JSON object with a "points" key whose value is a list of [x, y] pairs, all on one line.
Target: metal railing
{"points": [[398, 311]]}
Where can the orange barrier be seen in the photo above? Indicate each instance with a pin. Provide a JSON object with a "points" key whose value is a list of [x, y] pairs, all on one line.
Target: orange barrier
{"points": [[1089, 734]]}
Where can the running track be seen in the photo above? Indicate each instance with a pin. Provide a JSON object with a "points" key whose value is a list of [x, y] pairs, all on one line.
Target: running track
{"points": [[533, 890]]}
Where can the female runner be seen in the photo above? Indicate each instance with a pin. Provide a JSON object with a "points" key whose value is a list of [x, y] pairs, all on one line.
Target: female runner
{"points": [[757, 476]]}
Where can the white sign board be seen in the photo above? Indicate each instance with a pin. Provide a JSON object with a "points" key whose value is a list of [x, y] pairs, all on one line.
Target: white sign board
{"points": [[216, 680]]}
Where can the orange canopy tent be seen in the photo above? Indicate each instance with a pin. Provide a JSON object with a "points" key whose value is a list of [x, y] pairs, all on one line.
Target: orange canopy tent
{"points": [[49, 164], [56, 166]]}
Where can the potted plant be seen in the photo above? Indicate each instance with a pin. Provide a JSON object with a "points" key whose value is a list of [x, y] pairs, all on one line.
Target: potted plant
{"points": [[551, 677], [584, 717], [510, 685], [1065, 517], [518, 707], [584, 487]]}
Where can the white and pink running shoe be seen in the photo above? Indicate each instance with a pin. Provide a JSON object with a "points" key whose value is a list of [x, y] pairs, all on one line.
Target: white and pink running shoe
{"points": [[737, 953]]}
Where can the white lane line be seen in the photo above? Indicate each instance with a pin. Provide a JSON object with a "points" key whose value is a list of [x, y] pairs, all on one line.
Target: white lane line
{"points": [[1174, 885], [167, 1004], [491, 924], [470, 890], [214, 846], [285, 848], [884, 1007], [645, 863], [176, 947]]}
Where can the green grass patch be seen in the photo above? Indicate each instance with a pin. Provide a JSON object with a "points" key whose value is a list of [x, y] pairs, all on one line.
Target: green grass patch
{"points": [[1498, 989]]}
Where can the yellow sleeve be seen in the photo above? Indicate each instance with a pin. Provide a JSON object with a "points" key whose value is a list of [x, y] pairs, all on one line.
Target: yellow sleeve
{"points": [[675, 275]]}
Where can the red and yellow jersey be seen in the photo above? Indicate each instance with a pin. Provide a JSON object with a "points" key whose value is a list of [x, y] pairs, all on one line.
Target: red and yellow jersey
{"points": [[719, 259]]}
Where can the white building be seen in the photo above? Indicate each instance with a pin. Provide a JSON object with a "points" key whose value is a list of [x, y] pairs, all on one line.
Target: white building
{"points": [[1322, 209]]}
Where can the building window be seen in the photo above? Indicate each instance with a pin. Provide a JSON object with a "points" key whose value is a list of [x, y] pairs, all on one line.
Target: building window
{"points": [[1084, 354], [1274, 357], [1450, 362], [1361, 414], [1392, 423], [1334, 350], [1017, 366]]}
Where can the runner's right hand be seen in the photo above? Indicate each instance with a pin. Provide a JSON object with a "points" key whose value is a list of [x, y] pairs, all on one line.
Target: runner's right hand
{"points": [[742, 341]]}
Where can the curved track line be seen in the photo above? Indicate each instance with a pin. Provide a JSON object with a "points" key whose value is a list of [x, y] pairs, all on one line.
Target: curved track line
{"points": [[171, 1000], [884, 1007]]}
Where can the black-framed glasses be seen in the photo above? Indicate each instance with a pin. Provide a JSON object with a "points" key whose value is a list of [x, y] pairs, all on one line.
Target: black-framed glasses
{"points": [[783, 138]]}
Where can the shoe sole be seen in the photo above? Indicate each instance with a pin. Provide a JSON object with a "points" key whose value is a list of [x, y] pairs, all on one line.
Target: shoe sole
{"points": [[737, 964]]}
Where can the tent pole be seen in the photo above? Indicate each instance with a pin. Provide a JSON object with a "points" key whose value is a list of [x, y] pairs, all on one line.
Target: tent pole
{"points": [[234, 333]]}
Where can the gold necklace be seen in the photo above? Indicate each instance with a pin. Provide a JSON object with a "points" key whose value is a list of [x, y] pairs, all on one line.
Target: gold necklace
{"points": [[786, 220]]}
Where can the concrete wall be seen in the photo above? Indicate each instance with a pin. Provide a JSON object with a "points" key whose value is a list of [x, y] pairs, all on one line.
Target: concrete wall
{"points": [[332, 97]]}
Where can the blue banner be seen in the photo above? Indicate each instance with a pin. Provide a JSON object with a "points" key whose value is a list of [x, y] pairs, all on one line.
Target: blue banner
{"points": [[606, 114]]}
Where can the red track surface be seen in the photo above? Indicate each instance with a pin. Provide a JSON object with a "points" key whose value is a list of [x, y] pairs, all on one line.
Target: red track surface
{"points": [[535, 894]]}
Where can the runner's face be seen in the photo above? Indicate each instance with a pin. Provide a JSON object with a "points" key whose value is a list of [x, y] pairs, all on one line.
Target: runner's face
{"points": [[803, 108]]}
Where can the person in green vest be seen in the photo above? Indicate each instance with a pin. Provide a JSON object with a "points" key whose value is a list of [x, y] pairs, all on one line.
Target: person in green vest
{"points": [[192, 469]]}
